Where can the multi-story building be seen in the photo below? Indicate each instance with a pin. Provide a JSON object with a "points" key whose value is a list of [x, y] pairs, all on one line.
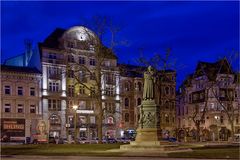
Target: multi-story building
{"points": [[210, 97], [68, 62], [21, 107], [131, 83], [131, 99]]}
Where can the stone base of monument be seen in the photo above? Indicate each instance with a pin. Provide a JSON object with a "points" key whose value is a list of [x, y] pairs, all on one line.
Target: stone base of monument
{"points": [[147, 140]]}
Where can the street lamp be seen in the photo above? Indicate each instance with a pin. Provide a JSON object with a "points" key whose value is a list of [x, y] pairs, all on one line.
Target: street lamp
{"points": [[217, 119], [75, 123]]}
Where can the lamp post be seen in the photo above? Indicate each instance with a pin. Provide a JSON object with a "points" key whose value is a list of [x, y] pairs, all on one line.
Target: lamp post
{"points": [[217, 119], [75, 123]]}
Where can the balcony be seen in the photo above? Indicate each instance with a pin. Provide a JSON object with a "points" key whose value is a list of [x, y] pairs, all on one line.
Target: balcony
{"points": [[53, 61]]}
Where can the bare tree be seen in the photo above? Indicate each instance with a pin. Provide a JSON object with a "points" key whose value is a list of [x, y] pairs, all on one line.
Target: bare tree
{"points": [[226, 95], [102, 61]]}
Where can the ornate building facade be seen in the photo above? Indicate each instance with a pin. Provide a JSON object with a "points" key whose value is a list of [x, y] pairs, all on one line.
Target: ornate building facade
{"points": [[21, 106], [65, 84], [131, 99], [210, 97]]}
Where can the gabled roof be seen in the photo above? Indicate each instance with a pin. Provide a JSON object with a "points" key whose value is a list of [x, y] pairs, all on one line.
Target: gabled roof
{"points": [[212, 69], [6, 68]]}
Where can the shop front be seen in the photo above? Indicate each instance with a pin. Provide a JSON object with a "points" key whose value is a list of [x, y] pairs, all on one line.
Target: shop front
{"points": [[13, 130]]}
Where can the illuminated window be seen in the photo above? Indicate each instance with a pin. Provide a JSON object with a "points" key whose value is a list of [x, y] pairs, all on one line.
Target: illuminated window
{"points": [[7, 108], [54, 104], [32, 109], [54, 119], [20, 108], [54, 86]]}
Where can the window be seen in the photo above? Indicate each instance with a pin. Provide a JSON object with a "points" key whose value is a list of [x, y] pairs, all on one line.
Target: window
{"points": [[127, 86], [7, 108], [20, 108], [32, 109], [126, 103], [53, 86], [237, 120], [70, 58], [20, 91], [126, 116], [109, 91], [81, 60], [54, 119], [52, 56], [82, 76], [54, 104], [92, 76], [7, 90], [92, 62], [109, 78], [70, 90], [32, 91], [70, 74], [81, 90], [139, 101]]}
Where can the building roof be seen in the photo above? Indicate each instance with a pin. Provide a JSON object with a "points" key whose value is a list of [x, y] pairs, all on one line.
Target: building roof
{"points": [[6, 68], [128, 70], [54, 40], [212, 69]]}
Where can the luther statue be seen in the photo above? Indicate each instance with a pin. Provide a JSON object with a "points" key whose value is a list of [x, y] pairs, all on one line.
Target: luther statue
{"points": [[148, 91]]}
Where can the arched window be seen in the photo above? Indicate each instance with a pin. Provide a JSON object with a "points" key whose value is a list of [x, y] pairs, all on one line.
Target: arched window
{"points": [[54, 119], [139, 86], [127, 86], [126, 102], [139, 101], [126, 116]]}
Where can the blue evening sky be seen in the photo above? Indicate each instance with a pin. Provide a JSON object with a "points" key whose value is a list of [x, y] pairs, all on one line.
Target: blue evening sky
{"points": [[196, 31]]}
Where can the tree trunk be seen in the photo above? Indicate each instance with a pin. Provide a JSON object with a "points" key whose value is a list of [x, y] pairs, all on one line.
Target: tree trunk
{"points": [[198, 132], [232, 130]]}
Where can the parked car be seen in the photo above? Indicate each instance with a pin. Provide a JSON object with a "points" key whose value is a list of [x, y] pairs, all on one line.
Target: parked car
{"points": [[170, 139], [123, 140], [111, 140], [83, 140]]}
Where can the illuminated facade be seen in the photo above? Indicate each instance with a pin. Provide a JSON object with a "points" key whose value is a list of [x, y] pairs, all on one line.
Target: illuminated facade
{"points": [[21, 106], [210, 85], [131, 99], [65, 85]]}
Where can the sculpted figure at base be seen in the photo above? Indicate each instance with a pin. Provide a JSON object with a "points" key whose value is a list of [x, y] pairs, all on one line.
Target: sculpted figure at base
{"points": [[148, 91]]}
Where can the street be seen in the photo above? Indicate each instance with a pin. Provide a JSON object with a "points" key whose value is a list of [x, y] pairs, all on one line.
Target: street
{"points": [[87, 158]]}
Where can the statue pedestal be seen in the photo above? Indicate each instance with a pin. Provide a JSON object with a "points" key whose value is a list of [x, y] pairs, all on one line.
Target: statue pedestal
{"points": [[148, 133]]}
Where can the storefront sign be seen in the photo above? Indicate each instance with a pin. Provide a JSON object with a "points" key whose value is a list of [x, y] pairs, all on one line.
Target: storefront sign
{"points": [[12, 129]]}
